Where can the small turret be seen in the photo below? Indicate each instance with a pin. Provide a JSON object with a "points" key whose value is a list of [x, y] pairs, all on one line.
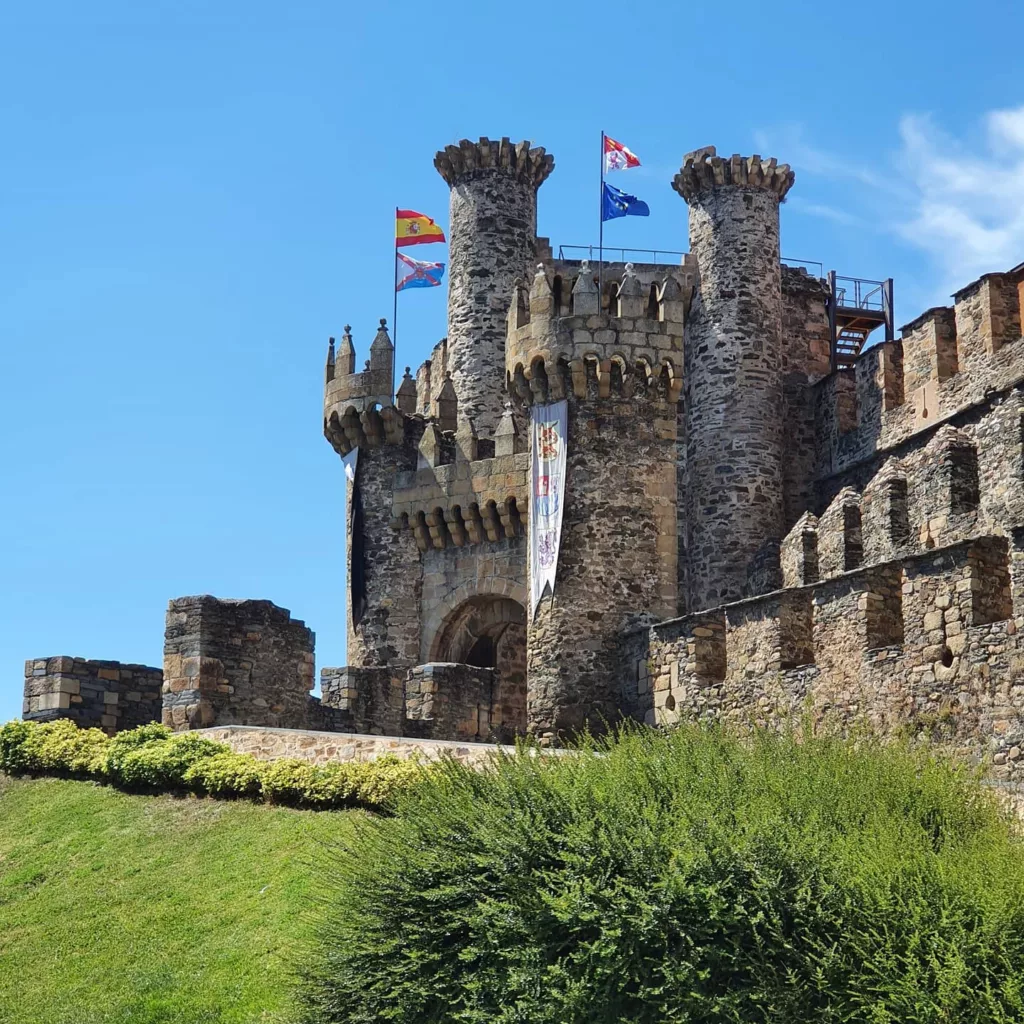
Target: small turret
{"points": [[346, 354], [406, 396], [447, 405], [329, 369], [382, 351]]}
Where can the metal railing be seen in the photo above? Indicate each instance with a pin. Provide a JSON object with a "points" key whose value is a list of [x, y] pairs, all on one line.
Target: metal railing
{"points": [[860, 293], [658, 256], [592, 252]]}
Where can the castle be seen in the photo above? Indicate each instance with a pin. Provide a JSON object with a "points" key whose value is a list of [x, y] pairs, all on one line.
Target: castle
{"points": [[762, 513]]}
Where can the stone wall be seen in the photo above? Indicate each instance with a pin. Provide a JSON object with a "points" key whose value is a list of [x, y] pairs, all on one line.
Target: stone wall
{"points": [[449, 701], [926, 645], [96, 694], [235, 662], [325, 747]]}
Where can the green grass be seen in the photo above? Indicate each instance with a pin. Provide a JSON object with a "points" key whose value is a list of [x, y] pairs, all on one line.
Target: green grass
{"points": [[118, 908]]}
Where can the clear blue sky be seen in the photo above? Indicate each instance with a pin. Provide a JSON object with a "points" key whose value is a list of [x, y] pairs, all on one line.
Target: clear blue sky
{"points": [[194, 195]]}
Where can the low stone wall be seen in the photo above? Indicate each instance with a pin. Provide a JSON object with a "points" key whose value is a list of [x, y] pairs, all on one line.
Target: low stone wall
{"points": [[101, 694], [324, 747]]}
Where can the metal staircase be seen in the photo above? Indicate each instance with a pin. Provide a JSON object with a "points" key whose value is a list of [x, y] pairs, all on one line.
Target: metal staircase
{"points": [[856, 307]]}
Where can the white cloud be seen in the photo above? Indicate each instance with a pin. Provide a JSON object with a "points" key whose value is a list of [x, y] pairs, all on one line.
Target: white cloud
{"points": [[968, 207], [824, 211]]}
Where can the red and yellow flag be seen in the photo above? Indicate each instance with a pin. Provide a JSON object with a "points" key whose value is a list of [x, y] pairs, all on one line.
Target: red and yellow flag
{"points": [[412, 228]]}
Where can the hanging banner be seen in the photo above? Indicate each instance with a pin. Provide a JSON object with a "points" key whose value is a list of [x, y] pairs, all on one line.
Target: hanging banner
{"points": [[356, 567], [548, 425]]}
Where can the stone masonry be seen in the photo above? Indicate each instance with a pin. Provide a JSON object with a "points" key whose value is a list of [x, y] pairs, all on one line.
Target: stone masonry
{"points": [[753, 526], [96, 694]]}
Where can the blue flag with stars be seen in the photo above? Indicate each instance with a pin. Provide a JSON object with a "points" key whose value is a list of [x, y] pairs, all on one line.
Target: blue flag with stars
{"points": [[617, 203]]}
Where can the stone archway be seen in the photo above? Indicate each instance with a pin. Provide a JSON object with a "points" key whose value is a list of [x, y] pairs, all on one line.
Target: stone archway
{"points": [[489, 631]]}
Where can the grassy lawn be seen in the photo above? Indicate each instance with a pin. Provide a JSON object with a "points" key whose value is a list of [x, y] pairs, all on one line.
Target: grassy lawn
{"points": [[117, 908]]}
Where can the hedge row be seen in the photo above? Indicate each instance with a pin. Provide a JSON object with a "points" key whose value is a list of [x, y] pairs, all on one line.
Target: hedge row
{"points": [[153, 759]]}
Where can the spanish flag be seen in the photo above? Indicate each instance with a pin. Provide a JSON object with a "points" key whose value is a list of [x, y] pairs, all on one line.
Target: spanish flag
{"points": [[412, 228]]}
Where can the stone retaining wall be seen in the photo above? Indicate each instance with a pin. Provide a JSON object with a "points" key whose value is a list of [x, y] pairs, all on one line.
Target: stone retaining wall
{"points": [[324, 747]]}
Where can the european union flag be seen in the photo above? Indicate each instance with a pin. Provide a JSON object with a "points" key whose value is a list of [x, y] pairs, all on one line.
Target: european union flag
{"points": [[617, 203]]}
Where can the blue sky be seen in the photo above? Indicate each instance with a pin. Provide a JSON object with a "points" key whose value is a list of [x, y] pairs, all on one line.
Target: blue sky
{"points": [[193, 196]]}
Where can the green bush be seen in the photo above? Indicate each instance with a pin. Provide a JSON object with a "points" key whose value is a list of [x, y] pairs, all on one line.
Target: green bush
{"points": [[688, 877], [160, 761], [54, 748], [227, 774], [153, 759]]}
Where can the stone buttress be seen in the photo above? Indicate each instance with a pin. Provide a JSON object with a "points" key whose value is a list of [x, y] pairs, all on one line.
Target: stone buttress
{"points": [[492, 241], [733, 372], [621, 375]]}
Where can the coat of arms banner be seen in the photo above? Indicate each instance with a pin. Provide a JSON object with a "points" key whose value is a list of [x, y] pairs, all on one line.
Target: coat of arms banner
{"points": [[547, 440]]}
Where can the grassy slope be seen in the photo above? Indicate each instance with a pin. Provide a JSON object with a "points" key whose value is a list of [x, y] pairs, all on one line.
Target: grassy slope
{"points": [[117, 908]]}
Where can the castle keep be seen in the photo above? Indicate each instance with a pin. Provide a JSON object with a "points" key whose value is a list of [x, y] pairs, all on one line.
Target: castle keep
{"points": [[762, 513]]}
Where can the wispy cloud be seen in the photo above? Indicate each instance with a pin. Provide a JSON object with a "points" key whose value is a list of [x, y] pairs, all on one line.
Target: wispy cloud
{"points": [[958, 200], [824, 211], [968, 212]]}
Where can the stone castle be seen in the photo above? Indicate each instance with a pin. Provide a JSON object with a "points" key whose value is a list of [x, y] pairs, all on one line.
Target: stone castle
{"points": [[764, 514]]}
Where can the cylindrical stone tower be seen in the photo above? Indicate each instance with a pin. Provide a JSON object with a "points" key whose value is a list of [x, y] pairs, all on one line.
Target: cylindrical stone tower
{"points": [[733, 375], [492, 241]]}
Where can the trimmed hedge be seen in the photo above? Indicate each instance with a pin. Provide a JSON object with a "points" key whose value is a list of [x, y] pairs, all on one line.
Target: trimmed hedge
{"points": [[153, 759], [688, 877]]}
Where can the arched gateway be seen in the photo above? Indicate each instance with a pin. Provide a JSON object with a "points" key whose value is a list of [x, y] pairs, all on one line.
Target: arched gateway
{"points": [[489, 631]]}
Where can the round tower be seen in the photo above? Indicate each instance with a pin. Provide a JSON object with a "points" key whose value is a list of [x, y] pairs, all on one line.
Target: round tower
{"points": [[492, 241], [733, 375], [620, 375]]}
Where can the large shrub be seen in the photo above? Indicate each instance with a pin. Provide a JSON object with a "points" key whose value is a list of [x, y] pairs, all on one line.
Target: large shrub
{"points": [[688, 877]]}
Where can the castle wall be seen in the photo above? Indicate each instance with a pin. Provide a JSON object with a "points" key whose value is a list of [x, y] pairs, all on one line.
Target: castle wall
{"points": [[228, 662], [95, 694], [733, 377], [926, 645], [492, 241]]}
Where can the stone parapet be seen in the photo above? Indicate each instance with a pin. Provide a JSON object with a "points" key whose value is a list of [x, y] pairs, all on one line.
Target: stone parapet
{"points": [[344, 388], [528, 165], [703, 170], [105, 695]]}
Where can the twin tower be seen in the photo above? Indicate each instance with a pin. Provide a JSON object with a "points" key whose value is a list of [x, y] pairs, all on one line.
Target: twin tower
{"points": [[674, 493]]}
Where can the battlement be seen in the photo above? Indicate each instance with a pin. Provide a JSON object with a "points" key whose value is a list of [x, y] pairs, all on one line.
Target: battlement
{"points": [[703, 170], [553, 344], [531, 166], [947, 361]]}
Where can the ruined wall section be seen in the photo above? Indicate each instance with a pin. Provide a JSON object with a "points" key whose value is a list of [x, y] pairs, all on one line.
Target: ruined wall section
{"points": [[733, 374], [492, 241], [621, 376], [105, 695], [235, 662]]}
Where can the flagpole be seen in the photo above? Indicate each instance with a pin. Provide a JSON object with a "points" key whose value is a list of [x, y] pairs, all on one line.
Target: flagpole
{"points": [[600, 233], [394, 313]]}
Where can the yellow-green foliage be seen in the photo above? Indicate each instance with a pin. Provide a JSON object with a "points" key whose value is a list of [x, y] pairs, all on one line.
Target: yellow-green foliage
{"points": [[153, 759]]}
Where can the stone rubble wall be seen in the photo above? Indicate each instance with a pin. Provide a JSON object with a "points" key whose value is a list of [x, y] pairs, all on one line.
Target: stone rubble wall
{"points": [[449, 701], [235, 662], [95, 694]]}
